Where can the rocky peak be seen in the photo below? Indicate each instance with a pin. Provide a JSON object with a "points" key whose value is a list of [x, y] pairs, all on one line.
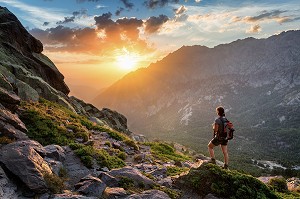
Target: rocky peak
{"points": [[16, 35], [22, 49]]}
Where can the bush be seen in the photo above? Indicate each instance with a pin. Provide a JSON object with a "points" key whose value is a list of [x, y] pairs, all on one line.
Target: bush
{"points": [[174, 170], [209, 178], [54, 183], [278, 184], [126, 182], [6, 140], [122, 155]]}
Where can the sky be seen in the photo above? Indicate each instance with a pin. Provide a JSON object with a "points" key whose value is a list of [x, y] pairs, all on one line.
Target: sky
{"points": [[96, 42]]}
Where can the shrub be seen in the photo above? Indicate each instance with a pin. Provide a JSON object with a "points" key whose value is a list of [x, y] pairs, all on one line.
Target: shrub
{"points": [[122, 155], [174, 170], [278, 184], [107, 143], [126, 182], [171, 193], [54, 183], [209, 178], [131, 143]]}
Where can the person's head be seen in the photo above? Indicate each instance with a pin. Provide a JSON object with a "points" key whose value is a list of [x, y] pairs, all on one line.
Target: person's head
{"points": [[220, 111]]}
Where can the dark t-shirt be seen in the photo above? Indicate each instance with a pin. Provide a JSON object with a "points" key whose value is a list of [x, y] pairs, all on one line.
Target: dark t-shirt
{"points": [[220, 125]]}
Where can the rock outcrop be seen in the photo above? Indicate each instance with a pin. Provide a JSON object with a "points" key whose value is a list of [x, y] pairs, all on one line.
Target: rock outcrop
{"points": [[23, 159]]}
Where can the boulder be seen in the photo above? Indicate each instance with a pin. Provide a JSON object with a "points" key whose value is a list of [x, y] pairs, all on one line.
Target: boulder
{"points": [[133, 174], [150, 194], [160, 173], [11, 126], [7, 188], [109, 180], [55, 152], [55, 165], [114, 192], [22, 159], [9, 99], [90, 186], [26, 92]]}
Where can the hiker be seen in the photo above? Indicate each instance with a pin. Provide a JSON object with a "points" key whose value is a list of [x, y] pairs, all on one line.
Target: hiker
{"points": [[219, 139]]}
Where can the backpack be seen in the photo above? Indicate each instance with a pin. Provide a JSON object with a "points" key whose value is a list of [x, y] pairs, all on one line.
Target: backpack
{"points": [[228, 129]]}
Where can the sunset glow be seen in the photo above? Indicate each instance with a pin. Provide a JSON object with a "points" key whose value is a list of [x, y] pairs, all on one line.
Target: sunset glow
{"points": [[127, 61]]}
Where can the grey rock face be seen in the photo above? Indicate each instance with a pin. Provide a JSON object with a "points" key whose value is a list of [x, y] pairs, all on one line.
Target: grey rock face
{"points": [[150, 194], [9, 99], [7, 188], [113, 119], [115, 193], [23, 160], [11, 126], [55, 152], [109, 180], [133, 174], [90, 186]]}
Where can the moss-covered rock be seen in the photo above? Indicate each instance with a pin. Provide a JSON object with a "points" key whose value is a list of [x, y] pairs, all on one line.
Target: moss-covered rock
{"points": [[209, 178]]}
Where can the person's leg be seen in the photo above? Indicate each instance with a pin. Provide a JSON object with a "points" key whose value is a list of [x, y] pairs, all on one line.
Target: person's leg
{"points": [[225, 153], [211, 151]]}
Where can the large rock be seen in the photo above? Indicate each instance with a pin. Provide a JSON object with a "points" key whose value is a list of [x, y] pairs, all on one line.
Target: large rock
{"points": [[7, 188], [114, 192], [90, 186], [113, 119], [150, 194], [133, 174], [11, 126], [4, 83], [26, 92], [22, 158], [9, 99], [55, 152], [71, 196]]}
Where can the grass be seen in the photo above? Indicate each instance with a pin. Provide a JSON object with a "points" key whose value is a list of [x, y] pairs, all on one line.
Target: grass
{"points": [[209, 178], [54, 183], [166, 152], [88, 153], [174, 170]]}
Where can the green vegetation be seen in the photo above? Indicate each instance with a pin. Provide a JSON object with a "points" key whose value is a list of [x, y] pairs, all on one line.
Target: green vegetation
{"points": [[209, 178], [51, 123], [54, 183], [172, 171], [166, 152], [171, 193], [278, 184], [103, 159], [126, 182]]}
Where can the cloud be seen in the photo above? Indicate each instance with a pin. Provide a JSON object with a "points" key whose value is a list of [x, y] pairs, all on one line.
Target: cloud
{"points": [[46, 23], [265, 15], [107, 36], [118, 12], [180, 10], [66, 20], [198, 1], [153, 24], [127, 4], [152, 4], [254, 29]]}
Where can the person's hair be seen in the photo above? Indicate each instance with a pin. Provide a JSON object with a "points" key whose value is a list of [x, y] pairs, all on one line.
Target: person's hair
{"points": [[220, 111]]}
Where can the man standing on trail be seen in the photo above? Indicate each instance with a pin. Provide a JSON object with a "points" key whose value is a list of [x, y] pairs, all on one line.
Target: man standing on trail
{"points": [[219, 137]]}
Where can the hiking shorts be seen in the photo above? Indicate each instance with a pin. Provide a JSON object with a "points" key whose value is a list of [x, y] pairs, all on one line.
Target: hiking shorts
{"points": [[217, 141]]}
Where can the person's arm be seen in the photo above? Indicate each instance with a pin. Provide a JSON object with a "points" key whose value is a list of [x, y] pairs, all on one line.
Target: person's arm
{"points": [[215, 127]]}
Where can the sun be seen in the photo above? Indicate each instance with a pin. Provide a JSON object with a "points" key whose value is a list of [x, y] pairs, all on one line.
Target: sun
{"points": [[127, 60]]}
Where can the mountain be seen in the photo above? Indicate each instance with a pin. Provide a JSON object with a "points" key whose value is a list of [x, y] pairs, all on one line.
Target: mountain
{"points": [[256, 80]]}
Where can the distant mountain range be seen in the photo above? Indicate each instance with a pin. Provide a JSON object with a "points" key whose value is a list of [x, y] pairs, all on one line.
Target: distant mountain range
{"points": [[256, 80]]}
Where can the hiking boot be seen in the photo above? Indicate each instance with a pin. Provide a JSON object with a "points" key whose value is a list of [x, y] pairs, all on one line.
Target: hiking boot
{"points": [[212, 161], [225, 166]]}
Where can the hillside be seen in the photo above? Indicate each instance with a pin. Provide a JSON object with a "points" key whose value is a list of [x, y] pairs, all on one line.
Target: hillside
{"points": [[256, 80], [53, 146]]}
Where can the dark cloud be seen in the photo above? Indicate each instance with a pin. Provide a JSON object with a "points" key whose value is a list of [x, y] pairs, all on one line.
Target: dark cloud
{"points": [[254, 29], [158, 3], [46, 23], [79, 13], [287, 19], [66, 20], [153, 24], [265, 15], [118, 12], [108, 36], [127, 4]]}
